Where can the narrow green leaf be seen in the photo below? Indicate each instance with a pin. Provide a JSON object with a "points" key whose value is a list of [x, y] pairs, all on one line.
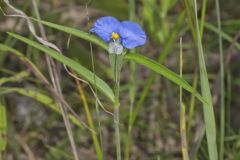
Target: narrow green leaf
{"points": [[222, 84], [83, 35], [164, 71], [208, 111], [85, 73]]}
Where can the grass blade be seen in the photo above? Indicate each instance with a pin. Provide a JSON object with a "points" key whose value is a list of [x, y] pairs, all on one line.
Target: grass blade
{"points": [[83, 35], [203, 15], [184, 144], [162, 70], [90, 120], [209, 116], [222, 85], [85, 73]]}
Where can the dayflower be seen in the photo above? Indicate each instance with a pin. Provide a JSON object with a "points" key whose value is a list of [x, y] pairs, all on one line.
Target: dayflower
{"points": [[119, 34]]}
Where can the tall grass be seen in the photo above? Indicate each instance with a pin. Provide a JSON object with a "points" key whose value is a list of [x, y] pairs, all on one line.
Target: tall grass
{"points": [[222, 85], [209, 116], [90, 120], [183, 133]]}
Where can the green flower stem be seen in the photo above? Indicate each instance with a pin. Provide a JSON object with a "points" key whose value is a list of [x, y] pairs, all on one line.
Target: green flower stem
{"points": [[116, 63], [117, 130]]}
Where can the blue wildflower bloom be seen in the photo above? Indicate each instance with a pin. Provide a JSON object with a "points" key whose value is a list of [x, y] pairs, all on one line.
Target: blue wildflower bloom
{"points": [[119, 34]]}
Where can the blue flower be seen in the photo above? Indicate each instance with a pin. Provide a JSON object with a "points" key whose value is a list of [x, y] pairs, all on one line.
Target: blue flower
{"points": [[118, 34]]}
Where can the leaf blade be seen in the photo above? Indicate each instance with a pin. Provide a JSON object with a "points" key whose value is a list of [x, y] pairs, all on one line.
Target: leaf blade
{"points": [[164, 71], [84, 72]]}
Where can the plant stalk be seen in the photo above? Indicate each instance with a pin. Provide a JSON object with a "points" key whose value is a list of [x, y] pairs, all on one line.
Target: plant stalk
{"points": [[116, 71]]}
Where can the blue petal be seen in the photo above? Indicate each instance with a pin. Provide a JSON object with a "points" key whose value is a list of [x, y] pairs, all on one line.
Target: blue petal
{"points": [[104, 27], [132, 35]]}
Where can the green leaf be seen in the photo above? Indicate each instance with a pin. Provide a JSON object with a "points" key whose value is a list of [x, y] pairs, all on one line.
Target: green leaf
{"points": [[208, 110], [85, 73], [164, 71], [75, 32]]}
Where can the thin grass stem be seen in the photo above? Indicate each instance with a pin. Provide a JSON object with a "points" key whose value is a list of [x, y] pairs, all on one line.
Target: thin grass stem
{"points": [[182, 114], [56, 84], [222, 85], [116, 71], [90, 120], [192, 104], [132, 89], [203, 15]]}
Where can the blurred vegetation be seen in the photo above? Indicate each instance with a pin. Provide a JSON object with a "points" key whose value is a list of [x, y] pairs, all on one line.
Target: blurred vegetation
{"points": [[31, 124]]}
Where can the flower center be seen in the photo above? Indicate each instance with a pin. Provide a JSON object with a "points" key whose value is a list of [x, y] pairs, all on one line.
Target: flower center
{"points": [[115, 35]]}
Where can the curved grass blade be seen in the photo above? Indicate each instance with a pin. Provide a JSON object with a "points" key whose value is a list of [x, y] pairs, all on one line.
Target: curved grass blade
{"points": [[85, 73], [40, 97], [76, 32], [164, 71]]}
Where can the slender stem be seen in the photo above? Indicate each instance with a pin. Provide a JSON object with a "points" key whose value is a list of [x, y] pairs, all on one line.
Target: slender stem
{"points": [[192, 104], [89, 119], [132, 95], [132, 89], [9, 40], [229, 98], [95, 88], [99, 128], [116, 108], [56, 84], [117, 131], [182, 114], [222, 86], [203, 15]]}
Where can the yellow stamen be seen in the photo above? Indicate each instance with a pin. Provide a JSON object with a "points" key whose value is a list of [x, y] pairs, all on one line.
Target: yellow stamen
{"points": [[115, 35]]}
